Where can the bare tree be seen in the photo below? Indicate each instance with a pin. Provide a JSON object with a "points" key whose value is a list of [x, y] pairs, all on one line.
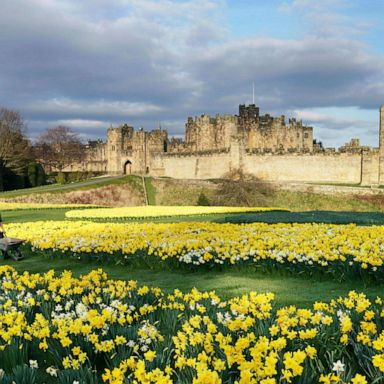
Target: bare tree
{"points": [[59, 147], [240, 189], [15, 150]]}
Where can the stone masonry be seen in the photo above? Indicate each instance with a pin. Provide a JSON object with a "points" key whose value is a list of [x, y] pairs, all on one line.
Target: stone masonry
{"points": [[270, 148]]}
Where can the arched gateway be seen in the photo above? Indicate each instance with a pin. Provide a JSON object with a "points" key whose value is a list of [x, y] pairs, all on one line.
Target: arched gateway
{"points": [[127, 167]]}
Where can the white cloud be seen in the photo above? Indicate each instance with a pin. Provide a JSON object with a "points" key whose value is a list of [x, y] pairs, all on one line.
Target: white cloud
{"points": [[82, 123], [66, 106], [146, 61], [335, 126]]}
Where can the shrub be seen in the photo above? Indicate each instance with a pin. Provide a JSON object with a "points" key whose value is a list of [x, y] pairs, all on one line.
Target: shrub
{"points": [[203, 200], [41, 177], [73, 177], [10, 180], [60, 178]]}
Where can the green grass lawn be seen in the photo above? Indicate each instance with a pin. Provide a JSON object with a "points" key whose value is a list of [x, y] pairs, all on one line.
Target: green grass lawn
{"points": [[289, 290], [360, 218], [19, 216], [151, 191], [25, 215], [295, 290], [329, 217]]}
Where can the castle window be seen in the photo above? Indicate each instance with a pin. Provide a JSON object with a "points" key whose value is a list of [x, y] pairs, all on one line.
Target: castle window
{"points": [[113, 147], [165, 146], [306, 135]]}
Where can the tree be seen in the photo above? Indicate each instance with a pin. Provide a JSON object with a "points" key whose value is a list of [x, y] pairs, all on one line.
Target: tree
{"points": [[240, 189], [59, 147], [36, 175], [15, 149], [203, 200]]}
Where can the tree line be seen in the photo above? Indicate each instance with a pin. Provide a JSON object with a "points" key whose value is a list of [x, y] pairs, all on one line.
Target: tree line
{"points": [[24, 163]]}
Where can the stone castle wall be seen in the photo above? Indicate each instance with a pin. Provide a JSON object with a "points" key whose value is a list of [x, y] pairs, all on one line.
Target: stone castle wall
{"points": [[316, 167], [267, 147], [203, 166]]}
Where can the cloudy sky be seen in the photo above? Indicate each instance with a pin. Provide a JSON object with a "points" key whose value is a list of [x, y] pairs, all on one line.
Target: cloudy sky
{"points": [[91, 63]]}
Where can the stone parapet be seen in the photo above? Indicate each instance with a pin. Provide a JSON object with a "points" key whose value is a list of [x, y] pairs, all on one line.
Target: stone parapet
{"points": [[197, 153]]}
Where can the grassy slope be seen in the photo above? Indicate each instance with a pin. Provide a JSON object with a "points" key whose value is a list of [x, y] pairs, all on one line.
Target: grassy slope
{"points": [[81, 185], [183, 192], [302, 201], [151, 191], [186, 192]]}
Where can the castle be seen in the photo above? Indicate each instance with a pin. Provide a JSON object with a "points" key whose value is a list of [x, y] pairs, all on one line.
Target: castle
{"points": [[267, 147]]}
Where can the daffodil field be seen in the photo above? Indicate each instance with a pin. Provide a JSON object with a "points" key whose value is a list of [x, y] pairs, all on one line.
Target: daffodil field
{"points": [[341, 251], [61, 329], [94, 330]]}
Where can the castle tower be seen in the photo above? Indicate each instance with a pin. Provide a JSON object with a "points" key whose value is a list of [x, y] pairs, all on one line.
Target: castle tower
{"points": [[115, 147], [248, 112]]}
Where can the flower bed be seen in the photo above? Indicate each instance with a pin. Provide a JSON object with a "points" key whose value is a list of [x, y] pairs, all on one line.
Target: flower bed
{"points": [[159, 211], [340, 250], [59, 329]]}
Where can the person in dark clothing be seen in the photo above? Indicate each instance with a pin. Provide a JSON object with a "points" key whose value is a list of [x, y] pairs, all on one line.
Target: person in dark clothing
{"points": [[1, 228], [3, 254]]}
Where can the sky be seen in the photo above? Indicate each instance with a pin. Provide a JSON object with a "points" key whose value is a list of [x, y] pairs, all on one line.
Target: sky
{"points": [[90, 64]]}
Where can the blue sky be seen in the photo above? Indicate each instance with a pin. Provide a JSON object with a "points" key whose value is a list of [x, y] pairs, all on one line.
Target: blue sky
{"points": [[274, 18], [260, 18], [91, 63]]}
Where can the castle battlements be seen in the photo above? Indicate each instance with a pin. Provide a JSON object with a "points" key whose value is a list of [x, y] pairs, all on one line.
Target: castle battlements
{"points": [[271, 148]]}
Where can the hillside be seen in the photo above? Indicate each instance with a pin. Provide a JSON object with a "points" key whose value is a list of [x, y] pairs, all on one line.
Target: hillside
{"points": [[114, 190], [129, 191]]}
